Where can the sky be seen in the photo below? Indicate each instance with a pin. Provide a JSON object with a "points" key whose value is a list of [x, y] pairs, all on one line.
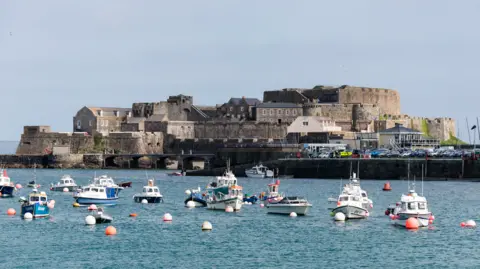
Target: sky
{"points": [[58, 56]]}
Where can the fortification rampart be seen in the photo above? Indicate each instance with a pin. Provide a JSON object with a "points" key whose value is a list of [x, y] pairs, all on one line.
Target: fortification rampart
{"points": [[240, 130], [441, 128]]}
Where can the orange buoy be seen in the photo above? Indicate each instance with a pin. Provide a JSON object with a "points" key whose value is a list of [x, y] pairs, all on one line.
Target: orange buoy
{"points": [[386, 186], [11, 212], [133, 214], [462, 224], [110, 230], [411, 223]]}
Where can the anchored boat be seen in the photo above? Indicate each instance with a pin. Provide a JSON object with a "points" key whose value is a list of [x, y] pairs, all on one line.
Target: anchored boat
{"points": [[100, 216], [223, 192], [66, 182], [289, 204], [151, 193], [259, 171], [103, 190], [6, 186], [272, 195], [36, 204], [196, 196]]}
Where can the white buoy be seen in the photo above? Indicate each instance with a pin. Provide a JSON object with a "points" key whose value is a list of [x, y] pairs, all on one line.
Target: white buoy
{"points": [[229, 209], [262, 205], [206, 226], [188, 192], [190, 204], [144, 201], [65, 189], [339, 216], [167, 217], [470, 224], [28, 215], [90, 220], [293, 214]]}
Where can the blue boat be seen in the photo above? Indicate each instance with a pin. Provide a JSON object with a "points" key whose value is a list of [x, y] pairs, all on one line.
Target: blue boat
{"points": [[195, 196], [103, 190], [36, 204], [250, 199], [6, 186]]}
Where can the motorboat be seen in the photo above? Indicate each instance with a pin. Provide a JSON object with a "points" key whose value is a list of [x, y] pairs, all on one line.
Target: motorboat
{"points": [[252, 199], [354, 186], [272, 196], [289, 204], [6, 186], [150, 193], [223, 191], [37, 204], [259, 171], [100, 216], [103, 190], [127, 184], [350, 204], [196, 196], [66, 182]]}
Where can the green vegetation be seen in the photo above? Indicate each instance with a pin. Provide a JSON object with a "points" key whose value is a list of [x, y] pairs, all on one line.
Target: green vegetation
{"points": [[411, 124], [452, 140], [99, 144], [425, 130]]}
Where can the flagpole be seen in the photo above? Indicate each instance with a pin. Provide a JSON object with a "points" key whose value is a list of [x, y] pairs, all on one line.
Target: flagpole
{"points": [[468, 128]]}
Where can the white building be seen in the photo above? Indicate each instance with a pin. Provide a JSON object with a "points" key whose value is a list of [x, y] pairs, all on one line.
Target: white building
{"points": [[402, 137], [312, 124]]}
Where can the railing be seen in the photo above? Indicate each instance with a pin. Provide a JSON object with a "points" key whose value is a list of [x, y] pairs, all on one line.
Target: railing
{"points": [[259, 145]]}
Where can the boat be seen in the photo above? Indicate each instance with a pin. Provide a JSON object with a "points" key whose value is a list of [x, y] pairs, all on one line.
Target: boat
{"points": [[289, 204], [272, 195], [252, 199], [223, 191], [103, 190], [196, 196], [6, 186], [412, 205], [125, 184], [100, 216], [354, 185], [176, 174], [66, 182], [36, 204], [150, 192], [259, 171]]}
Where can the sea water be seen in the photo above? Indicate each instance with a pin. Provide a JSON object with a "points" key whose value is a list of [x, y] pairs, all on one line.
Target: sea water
{"points": [[246, 239]]}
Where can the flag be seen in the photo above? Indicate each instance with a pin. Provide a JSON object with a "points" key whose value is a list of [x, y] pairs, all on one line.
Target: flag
{"points": [[473, 127]]}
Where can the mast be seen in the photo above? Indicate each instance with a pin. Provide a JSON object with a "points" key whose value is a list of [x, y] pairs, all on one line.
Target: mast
{"points": [[358, 169], [350, 169], [408, 176], [422, 179]]}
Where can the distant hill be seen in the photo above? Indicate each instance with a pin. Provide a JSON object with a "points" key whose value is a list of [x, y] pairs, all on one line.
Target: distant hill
{"points": [[8, 147]]}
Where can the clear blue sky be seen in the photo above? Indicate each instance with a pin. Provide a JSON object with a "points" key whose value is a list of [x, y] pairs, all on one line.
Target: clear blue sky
{"points": [[57, 56]]}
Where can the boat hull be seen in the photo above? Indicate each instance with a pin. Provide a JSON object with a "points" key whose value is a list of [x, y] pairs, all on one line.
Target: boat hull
{"points": [[423, 219], [285, 209], [37, 210], [60, 188], [89, 201], [7, 191], [198, 201], [235, 203], [150, 199], [351, 212], [251, 175]]}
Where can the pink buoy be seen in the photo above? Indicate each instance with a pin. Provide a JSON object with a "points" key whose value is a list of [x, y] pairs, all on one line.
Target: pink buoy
{"points": [[18, 186]]}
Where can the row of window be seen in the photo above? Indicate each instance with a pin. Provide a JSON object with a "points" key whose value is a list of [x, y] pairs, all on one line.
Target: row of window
{"points": [[279, 112], [241, 109], [115, 112]]}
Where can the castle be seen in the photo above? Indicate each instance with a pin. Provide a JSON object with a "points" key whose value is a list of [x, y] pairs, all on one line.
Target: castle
{"points": [[153, 126]]}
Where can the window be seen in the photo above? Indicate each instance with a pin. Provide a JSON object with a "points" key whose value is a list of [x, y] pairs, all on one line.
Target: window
{"points": [[231, 109], [90, 123], [242, 109], [99, 113], [411, 206], [421, 206], [79, 124], [271, 112], [129, 113], [264, 111], [294, 112], [279, 112], [116, 113], [305, 123], [287, 112]]}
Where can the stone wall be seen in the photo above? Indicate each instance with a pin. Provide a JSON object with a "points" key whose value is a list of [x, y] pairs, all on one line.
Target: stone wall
{"points": [[135, 142], [240, 130], [441, 128], [348, 116]]}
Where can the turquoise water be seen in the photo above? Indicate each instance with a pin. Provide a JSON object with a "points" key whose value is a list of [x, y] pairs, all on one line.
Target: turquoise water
{"points": [[247, 239]]}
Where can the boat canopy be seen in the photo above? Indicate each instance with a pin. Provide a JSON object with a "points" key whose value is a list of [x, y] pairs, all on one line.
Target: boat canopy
{"points": [[148, 189]]}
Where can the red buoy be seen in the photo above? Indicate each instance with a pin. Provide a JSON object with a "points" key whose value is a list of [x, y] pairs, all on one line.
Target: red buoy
{"points": [[412, 223], [386, 186]]}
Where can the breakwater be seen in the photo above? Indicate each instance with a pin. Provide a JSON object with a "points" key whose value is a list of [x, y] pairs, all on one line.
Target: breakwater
{"points": [[435, 169]]}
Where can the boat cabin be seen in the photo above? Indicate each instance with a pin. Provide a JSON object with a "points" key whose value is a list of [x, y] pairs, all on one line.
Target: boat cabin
{"points": [[93, 189], [293, 200], [151, 190], [273, 187], [37, 197], [236, 190], [66, 181], [103, 181], [348, 198], [223, 181], [4, 179], [413, 202]]}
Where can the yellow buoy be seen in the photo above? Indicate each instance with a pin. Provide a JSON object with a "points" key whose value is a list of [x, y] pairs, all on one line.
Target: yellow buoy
{"points": [[76, 205]]}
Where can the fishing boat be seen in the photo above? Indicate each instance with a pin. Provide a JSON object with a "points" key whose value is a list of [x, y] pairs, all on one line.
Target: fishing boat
{"points": [[66, 182], [350, 204], [412, 205], [223, 191], [103, 190], [6, 186], [100, 216], [36, 204], [196, 196], [150, 192], [259, 171], [272, 195], [289, 204]]}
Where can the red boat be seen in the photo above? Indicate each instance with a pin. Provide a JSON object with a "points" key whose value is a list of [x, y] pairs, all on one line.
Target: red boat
{"points": [[125, 184]]}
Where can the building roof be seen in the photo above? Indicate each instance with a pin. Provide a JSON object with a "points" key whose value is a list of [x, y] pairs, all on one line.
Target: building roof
{"points": [[399, 129], [249, 101], [278, 105], [109, 111]]}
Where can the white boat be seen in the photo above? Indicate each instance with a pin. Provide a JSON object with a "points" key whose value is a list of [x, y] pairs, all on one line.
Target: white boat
{"points": [[259, 171], [100, 216], [103, 190], [412, 205], [289, 204], [354, 186], [65, 182], [6, 186], [151, 193], [224, 192], [350, 204], [272, 196]]}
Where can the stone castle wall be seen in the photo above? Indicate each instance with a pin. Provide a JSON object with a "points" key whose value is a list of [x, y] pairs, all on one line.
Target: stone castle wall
{"points": [[135, 142], [441, 128], [240, 130]]}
